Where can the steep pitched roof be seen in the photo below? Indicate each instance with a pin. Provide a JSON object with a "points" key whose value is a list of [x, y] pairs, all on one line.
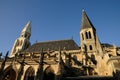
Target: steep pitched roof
{"points": [[86, 23], [53, 45]]}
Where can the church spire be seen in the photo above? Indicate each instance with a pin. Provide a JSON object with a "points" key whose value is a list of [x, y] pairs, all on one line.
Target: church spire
{"points": [[26, 32], [86, 23], [87, 34], [27, 27], [22, 42]]}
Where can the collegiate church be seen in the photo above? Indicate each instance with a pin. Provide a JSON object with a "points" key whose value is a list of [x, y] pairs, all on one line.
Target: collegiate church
{"points": [[62, 59]]}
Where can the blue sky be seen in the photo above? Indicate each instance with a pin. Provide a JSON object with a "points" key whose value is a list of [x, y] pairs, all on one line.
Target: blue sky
{"points": [[58, 20]]}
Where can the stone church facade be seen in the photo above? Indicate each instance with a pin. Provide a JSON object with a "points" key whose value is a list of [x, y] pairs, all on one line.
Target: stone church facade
{"points": [[61, 59]]}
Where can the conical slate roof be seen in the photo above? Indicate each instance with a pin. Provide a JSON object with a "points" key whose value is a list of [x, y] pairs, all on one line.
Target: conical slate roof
{"points": [[86, 23]]}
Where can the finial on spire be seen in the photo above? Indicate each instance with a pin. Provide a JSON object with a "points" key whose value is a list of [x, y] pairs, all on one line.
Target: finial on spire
{"points": [[83, 10], [29, 23]]}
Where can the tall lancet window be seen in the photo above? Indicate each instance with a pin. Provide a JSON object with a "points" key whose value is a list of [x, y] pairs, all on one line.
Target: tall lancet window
{"points": [[89, 33], [86, 34]]}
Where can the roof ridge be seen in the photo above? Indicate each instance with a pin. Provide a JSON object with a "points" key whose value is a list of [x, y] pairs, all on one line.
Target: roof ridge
{"points": [[68, 44], [54, 40]]}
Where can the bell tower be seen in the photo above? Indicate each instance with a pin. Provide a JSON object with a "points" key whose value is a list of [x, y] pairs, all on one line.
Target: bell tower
{"points": [[22, 42], [87, 34], [90, 46]]}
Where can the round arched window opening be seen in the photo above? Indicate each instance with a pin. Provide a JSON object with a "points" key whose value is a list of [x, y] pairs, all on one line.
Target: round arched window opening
{"points": [[9, 74], [90, 47]]}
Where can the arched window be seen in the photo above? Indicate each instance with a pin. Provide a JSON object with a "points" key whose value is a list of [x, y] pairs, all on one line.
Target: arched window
{"points": [[75, 59], [25, 35], [82, 36], [89, 33], [29, 74], [90, 47], [9, 74], [86, 34], [85, 47], [17, 43], [49, 73]]}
